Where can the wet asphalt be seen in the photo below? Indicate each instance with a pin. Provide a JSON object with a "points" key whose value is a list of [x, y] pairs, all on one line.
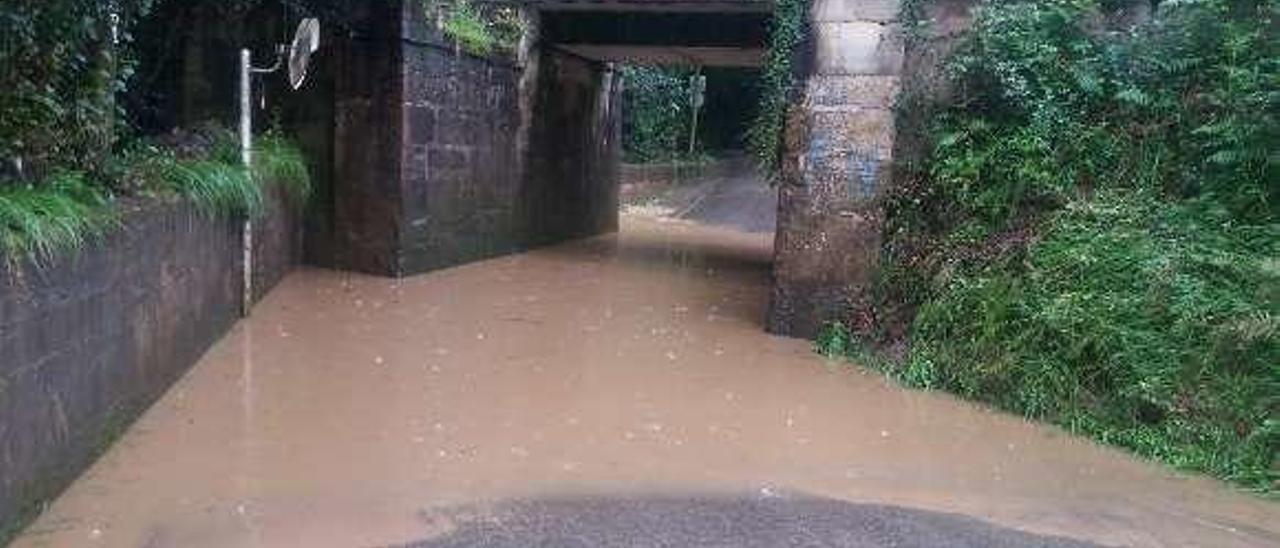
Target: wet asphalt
{"points": [[747, 522], [731, 193]]}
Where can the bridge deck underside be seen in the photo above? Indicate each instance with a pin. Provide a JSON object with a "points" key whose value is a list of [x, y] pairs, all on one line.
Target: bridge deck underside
{"points": [[734, 37]]}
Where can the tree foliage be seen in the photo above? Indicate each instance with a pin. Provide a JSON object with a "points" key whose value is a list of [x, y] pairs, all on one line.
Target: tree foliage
{"points": [[656, 118], [62, 63]]}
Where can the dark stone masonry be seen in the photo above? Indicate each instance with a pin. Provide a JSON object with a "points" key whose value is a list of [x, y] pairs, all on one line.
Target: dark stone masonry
{"points": [[444, 157], [88, 341], [424, 156]]}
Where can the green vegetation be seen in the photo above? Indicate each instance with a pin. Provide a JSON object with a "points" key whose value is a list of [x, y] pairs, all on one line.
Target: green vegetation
{"points": [[66, 153], [43, 221], [778, 82], [657, 114], [61, 72], [68, 209], [481, 29], [1093, 239], [278, 160]]}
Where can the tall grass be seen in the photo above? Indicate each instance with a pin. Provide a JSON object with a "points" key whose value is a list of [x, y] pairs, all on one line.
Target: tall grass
{"points": [[1152, 327], [69, 209], [277, 160], [38, 223]]}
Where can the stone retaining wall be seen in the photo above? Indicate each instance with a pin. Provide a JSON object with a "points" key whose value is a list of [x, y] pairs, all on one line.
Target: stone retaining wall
{"points": [[88, 341]]}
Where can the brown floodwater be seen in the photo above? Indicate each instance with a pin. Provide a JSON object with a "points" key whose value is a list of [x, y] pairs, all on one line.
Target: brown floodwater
{"points": [[350, 410]]}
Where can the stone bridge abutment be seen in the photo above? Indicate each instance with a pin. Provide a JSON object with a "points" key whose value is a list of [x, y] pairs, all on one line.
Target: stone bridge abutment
{"points": [[443, 157]]}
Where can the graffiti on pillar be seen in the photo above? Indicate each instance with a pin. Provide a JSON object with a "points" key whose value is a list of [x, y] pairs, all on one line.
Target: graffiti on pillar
{"points": [[816, 159], [862, 173], [856, 169]]}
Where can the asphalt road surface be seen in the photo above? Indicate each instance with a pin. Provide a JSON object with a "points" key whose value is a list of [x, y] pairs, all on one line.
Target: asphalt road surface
{"points": [[731, 194], [747, 522]]}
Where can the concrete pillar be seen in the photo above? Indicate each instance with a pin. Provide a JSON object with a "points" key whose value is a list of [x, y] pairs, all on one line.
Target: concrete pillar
{"points": [[839, 148]]}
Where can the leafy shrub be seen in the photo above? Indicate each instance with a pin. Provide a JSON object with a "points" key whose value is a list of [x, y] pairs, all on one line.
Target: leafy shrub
{"points": [[62, 65], [1092, 239], [656, 120]]}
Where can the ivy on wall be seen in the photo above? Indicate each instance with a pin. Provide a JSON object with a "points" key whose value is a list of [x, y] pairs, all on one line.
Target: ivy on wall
{"points": [[778, 82]]}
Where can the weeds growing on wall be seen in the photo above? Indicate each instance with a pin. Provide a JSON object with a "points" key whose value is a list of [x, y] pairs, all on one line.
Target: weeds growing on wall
{"points": [[777, 82], [482, 29], [1094, 239], [43, 221], [70, 208]]}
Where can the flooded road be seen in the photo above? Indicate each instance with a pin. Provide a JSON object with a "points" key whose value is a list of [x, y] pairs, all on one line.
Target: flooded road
{"points": [[362, 411]]}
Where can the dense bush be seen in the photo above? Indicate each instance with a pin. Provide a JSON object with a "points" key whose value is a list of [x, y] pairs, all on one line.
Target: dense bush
{"points": [[656, 118], [62, 63], [1094, 238]]}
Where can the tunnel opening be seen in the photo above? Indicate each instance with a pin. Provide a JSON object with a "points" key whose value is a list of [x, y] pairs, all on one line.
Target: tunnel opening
{"points": [[689, 79], [689, 76], [683, 147]]}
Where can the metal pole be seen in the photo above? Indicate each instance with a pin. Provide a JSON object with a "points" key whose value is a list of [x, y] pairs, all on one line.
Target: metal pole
{"points": [[696, 100], [246, 156]]}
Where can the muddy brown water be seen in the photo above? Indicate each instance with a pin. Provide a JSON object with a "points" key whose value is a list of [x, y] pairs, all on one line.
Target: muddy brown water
{"points": [[354, 411]]}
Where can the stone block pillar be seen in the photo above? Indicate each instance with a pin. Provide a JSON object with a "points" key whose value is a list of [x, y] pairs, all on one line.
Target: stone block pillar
{"points": [[835, 169]]}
